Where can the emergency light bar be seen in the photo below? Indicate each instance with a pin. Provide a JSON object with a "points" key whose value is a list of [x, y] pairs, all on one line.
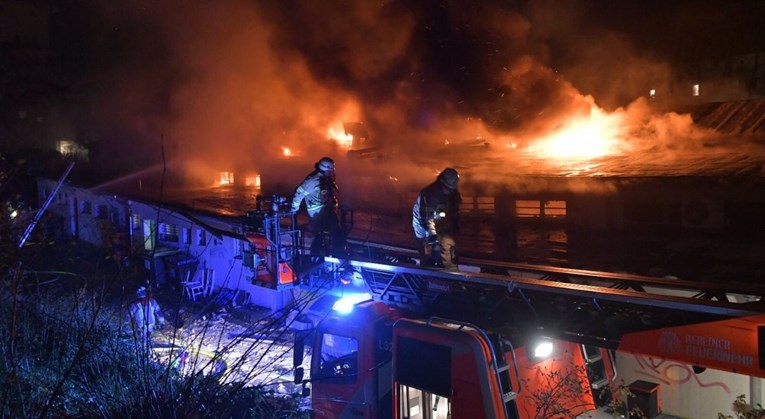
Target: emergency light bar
{"points": [[345, 304]]}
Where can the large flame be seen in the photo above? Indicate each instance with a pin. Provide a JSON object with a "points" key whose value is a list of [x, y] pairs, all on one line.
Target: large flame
{"points": [[337, 133], [595, 135]]}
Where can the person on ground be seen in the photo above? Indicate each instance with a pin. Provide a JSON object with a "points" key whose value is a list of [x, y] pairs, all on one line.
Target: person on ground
{"points": [[145, 315]]}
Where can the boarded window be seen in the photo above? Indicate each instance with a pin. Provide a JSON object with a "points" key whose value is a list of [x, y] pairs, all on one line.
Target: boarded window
{"points": [[135, 221], [168, 232]]}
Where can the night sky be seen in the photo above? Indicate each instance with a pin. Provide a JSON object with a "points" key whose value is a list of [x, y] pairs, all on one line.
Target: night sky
{"points": [[225, 82]]}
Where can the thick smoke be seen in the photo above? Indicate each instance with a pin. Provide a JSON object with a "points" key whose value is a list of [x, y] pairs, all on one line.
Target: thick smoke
{"points": [[230, 84]]}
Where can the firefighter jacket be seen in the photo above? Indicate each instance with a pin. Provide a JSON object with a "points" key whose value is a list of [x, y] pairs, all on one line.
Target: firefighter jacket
{"points": [[436, 211], [318, 190], [146, 315]]}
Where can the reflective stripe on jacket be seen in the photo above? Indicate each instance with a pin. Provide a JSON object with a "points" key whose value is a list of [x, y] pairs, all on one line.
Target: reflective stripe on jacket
{"points": [[318, 191]]}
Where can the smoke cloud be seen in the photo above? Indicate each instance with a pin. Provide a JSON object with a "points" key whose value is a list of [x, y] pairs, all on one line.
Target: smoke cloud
{"points": [[233, 84]]}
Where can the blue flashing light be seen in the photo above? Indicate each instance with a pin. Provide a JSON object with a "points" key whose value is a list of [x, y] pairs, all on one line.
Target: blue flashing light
{"points": [[346, 304]]}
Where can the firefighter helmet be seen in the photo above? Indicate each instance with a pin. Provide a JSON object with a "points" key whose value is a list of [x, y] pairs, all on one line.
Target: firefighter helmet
{"points": [[449, 178], [326, 164], [140, 292]]}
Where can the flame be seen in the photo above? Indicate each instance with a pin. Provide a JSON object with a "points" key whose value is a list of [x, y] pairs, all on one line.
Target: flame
{"points": [[286, 151], [252, 181], [225, 178], [596, 135], [339, 135]]}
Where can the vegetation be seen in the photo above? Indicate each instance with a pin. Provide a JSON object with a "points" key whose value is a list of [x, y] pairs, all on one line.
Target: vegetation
{"points": [[744, 410], [67, 351]]}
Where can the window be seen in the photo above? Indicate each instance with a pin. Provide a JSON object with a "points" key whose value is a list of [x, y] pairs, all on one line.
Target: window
{"points": [[168, 232], [135, 221], [554, 209], [526, 208], [102, 212], [696, 89], [186, 235], [338, 358], [533, 208], [479, 204], [201, 237]]}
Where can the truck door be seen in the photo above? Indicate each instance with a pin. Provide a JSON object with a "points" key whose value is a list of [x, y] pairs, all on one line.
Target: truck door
{"points": [[335, 375], [443, 370], [351, 369]]}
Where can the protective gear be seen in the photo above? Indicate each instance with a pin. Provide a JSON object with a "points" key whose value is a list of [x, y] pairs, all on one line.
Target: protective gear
{"points": [[449, 178], [145, 315], [325, 164], [435, 220], [319, 191]]}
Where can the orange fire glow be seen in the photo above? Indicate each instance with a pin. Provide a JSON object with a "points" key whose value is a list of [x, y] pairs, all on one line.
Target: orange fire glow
{"points": [[338, 134], [286, 152], [225, 178], [596, 135], [252, 181]]}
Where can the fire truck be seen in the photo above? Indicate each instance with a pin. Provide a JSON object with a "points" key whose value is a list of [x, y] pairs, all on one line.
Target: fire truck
{"points": [[511, 340], [508, 340]]}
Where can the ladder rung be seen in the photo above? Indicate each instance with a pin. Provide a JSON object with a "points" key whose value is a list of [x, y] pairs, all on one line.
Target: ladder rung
{"points": [[597, 385]]}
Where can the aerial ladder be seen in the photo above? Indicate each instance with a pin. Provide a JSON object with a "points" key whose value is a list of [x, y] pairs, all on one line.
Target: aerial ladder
{"points": [[493, 308]]}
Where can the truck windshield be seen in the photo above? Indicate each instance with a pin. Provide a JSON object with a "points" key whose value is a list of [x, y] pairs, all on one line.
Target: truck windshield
{"points": [[338, 357]]}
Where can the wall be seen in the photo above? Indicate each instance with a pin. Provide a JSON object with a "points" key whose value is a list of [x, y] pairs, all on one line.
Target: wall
{"points": [[149, 229], [683, 392]]}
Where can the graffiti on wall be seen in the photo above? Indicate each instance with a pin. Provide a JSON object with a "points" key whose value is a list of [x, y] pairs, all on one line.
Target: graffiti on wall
{"points": [[670, 372]]}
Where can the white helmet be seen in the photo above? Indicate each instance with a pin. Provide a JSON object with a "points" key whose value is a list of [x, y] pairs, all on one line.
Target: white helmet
{"points": [[140, 292], [326, 164]]}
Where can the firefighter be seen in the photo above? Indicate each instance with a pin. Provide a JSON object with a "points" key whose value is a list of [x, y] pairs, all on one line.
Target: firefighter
{"points": [[145, 315], [320, 192], [435, 219]]}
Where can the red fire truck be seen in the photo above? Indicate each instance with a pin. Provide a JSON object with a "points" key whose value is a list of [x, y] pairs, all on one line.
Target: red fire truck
{"points": [[520, 342]]}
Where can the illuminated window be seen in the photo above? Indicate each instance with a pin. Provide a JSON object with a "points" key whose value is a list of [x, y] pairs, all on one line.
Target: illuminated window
{"points": [[554, 209], [696, 89], [226, 178], [253, 181], [533, 208], [652, 94], [135, 221], [482, 204], [168, 232], [528, 208]]}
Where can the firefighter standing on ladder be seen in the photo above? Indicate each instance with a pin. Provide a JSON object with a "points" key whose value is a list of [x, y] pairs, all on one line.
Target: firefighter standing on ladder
{"points": [[319, 191], [435, 219]]}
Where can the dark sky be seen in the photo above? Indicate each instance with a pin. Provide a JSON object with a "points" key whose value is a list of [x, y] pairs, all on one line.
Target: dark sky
{"points": [[255, 75]]}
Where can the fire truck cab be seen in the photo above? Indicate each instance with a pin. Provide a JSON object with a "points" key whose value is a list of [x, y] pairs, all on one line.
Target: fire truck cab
{"points": [[373, 361]]}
